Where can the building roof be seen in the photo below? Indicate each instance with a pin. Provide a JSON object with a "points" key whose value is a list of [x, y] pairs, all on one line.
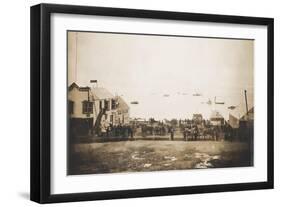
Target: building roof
{"points": [[197, 116], [251, 111], [95, 93], [122, 105], [101, 93], [74, 85], [250, 115], [233, 121]]}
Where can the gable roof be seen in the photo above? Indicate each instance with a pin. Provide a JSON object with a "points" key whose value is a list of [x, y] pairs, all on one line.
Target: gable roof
{"points": [[74, 85], [249, 116], [101, 93], [122, 105]]}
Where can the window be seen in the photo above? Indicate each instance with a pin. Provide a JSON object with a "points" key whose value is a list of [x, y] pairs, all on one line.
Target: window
{"points": [[106, 105], [87, 107], [70, 107], [113, 104]]}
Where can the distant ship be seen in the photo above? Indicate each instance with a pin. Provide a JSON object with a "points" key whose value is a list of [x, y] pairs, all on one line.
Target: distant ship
{"points": [[218, 102], [197, 94], [231, 107], [209, 102], [134, 102], [166, 95]]}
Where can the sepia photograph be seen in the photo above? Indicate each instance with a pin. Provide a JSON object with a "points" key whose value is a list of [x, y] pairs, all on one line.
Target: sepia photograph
{"points": [[154, 102]]}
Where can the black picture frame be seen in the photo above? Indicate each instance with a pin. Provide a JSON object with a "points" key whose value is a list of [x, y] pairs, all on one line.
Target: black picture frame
{"points": [[41, 102]]}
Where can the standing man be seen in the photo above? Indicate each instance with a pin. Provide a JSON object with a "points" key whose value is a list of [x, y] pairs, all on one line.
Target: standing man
{"points": [[184, 134], [172, 133]]}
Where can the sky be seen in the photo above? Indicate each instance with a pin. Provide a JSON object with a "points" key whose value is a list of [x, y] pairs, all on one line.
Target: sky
{"points": [[162, 73]]}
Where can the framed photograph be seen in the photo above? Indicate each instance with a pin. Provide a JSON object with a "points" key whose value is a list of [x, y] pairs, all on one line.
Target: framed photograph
{"points": [[133, 103]]}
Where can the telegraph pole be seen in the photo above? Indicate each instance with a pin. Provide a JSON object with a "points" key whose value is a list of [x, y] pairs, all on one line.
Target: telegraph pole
{"points": [[245, 92]]}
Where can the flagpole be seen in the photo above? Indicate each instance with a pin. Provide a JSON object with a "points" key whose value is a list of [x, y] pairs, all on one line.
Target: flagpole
{"points": [[76, 39]]}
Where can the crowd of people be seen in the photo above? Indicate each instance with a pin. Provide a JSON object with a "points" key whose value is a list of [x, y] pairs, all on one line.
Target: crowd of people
{"points": [[121, 131], [187, 132]]}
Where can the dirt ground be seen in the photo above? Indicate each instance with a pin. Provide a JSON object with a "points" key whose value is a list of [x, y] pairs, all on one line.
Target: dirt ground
{"points": [[152, 155]]}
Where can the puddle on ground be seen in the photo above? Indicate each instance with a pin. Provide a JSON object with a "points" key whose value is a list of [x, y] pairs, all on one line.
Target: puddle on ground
{"points": [[167, 164], [170, 158], [205, 160], [147, 165], [136, 157]]}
